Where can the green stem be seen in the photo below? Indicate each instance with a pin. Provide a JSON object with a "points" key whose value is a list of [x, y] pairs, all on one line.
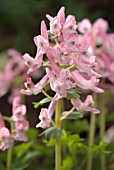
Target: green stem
{"points": [[91, 134], [58, 139], [102, 129], [102, 118], [9, 157], [9, 153]]}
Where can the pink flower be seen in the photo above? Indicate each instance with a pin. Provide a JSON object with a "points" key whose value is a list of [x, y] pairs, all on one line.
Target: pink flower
{"points": [[100, 25], [22, 125], [33, 63], [86, 65], [109, 45], [20, 136], [46, 114], [41, 41], [5, 139], [57, 22], [86, 84], [18, 109], [85, 26], [71, 43], [55, 26], [69, 26], [85, 106], [61, 55], [61, 83], [19, 133], [34, 89], [45, 119]]}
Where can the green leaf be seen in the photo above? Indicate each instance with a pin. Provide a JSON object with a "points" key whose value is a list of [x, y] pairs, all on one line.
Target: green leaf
{"points": [[67, 163], [73, 94], [47, 87], [31, 155], [50, 143], [22, 148], [102, 145], [52, 133], [22, 167], [73, 115], [32, 133], [73, 69], [43, 101]]}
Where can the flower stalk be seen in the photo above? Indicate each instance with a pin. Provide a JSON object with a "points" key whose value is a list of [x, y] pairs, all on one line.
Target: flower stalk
{"points": [[58, 138], [9, 152], [102, 129], [91, 134]]}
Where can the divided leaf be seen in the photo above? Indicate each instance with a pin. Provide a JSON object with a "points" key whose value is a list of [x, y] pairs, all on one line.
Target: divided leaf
{"points": [[43, 101], [73, 94]]}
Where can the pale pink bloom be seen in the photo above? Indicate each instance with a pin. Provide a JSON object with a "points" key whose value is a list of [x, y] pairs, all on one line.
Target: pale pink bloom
{"points": [[56, 84], [86, 66], [85, 26], [20, 136], [57, 22], [61, 54], [33, 63], [100, 25], [86, 84], [61, 15], [101, 67], [53, 65], [15, 91], [21, 127], [41, 41], [34, 89], [55, 26], [61, 83], [65, 77], [44, 31], [46, 114], [111, 75], [5, 140], [109, 45], [85, 106], [18, 110], [45, 119], [69, 26], [71, 43], [16, 56]]}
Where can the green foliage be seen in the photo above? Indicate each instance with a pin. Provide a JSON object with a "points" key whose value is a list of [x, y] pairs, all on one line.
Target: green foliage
{"points": [[32, 133], [67, 163], [51, 132], [50, 143], [73, 94], [99, 149], [73, 115], [43, 101]]}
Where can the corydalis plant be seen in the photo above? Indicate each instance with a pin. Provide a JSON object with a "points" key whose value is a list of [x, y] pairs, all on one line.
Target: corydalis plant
{"points": [[18, 126], [67, 68]]}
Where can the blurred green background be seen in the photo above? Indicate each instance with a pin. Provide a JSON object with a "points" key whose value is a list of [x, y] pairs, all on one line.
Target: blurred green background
{"points": [[20, 19]]}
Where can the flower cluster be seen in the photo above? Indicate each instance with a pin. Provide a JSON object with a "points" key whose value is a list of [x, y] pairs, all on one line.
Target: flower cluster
{"points": [[69, 64], [18, 126], [102, 45], [13, 68]]}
